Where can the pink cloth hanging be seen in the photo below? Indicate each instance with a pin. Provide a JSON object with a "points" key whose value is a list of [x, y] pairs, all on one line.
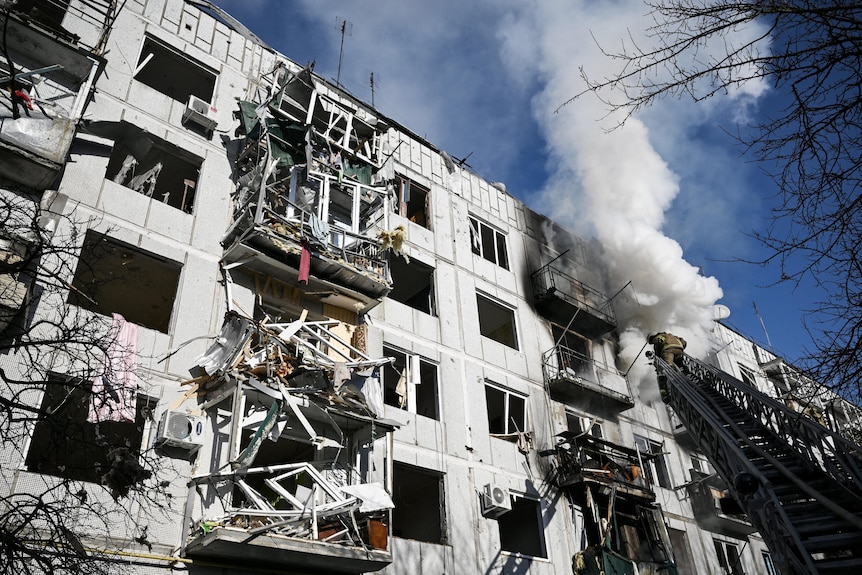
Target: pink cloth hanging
{"points": [[114, 394], [304, 264]]}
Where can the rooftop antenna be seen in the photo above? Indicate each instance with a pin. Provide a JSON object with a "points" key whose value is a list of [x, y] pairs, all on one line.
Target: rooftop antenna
{"points": [[371, 79], [344, 31], [763, 325]]}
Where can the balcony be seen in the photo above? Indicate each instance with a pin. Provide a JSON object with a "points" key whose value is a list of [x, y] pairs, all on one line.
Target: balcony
{"points": [[53, 79], [589, 462], [574, 378], [568, 302], [307, 195], [714, 507], [291, 484]]}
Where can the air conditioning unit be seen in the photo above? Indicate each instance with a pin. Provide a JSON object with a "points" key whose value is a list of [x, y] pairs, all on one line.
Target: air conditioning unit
{"points": [[201, 113], [495, 500], [179, 429]]}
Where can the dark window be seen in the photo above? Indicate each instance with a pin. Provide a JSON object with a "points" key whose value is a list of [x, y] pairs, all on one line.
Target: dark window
{"points": [[174, 74], [153, 167], [67, 445], [521, 528], [413, 201], [418, 497], [655, 466], [507, 411], [412, 284], [115, 277], [410, 383], [747, 375], [497, 321], [728, 557], [488, 243], [681, 552]]}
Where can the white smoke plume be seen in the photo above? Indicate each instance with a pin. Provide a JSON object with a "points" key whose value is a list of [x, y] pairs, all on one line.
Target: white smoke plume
{"points": [[610, 184]]}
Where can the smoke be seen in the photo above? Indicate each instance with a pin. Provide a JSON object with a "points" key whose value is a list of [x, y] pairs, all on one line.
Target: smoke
{"points": [[611, 184]]}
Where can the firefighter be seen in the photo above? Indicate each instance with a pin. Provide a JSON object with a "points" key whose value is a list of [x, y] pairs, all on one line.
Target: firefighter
{"points": [[668, 347]]}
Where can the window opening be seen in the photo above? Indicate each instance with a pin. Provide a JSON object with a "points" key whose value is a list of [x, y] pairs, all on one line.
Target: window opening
{"points": [[507, 411], [747, 375], [412, 284], [115, 277], [489, 243], [521, 529], [681, 552], [410, 383], [653, 458], [419, 512], [67, 445], [770, 565], [497, 321], [174, 74], [151, 166], [728, 557], [413, 201]]}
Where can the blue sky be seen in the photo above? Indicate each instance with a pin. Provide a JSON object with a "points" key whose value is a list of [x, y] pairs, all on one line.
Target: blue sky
{"points": [[668, 194]]}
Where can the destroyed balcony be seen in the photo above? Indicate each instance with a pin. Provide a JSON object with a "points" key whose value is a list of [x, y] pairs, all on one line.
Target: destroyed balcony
{"points": [[291, 482], [714, 507], [293, 516], [572, 377], [52, 80], [568, 302], [333, 225], [584, 462]]}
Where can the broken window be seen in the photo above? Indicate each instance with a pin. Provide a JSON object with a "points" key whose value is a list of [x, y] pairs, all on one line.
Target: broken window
{"points": [[413, 201], [115, 277], [507, 411], [174, 74], [151, 166], [747, 375], [419, 504], [521, 528], [497, 321], [572, 353], [681, 552], [68, 445], [592, 426], [47, 12], [412, 284], [410, 382], [654, 464], [728, 557], [488, 243]]}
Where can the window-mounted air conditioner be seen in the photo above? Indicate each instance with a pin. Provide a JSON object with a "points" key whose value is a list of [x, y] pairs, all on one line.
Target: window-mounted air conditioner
{"points": [[201, 113], [495, 500], [179, 429]]}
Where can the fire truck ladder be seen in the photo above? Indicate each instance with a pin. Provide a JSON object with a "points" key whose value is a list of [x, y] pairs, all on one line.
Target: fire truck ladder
{"points": [[799, 483]]}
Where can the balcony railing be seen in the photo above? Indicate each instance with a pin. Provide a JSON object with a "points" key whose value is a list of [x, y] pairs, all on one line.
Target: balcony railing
{"points": [[714, 506], [572, 376], [292, 515], [569, 302]]}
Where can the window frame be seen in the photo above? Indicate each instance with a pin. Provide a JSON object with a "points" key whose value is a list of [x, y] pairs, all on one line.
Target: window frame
{"points": [[655, 466], [415, 267], [412, 362], [515, 519], [507, 431], [407, 208], [430, 476], [489, 331], [725, 562], [482, 233], [141, 427], [90, 264], [178, 58]]}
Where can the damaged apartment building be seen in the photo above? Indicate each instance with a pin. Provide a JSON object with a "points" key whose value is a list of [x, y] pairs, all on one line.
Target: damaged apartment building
{"points": [[352, 353]]}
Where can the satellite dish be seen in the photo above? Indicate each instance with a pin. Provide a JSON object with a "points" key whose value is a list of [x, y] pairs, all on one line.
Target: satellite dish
{"points": [[720, 312]]}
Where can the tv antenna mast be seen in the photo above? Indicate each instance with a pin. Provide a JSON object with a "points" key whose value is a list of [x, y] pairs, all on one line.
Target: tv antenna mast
{"points": [[345, 30]]}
